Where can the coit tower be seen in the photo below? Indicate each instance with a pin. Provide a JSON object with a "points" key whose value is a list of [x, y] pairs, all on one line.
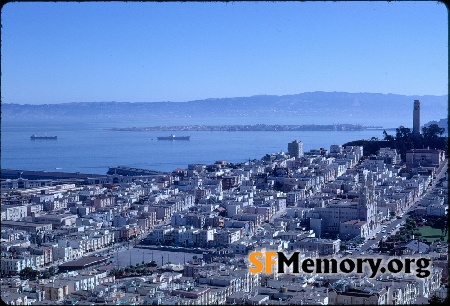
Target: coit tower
{"points": [[416, 117]]}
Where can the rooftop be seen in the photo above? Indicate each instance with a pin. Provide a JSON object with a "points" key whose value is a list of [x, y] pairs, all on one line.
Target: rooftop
{"points": [[83, 262]]}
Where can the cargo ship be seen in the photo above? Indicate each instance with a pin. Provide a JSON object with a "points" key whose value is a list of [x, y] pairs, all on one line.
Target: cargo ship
{"points": [[173, 137], [34, 136]]}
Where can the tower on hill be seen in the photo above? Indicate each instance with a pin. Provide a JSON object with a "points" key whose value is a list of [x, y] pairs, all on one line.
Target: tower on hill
{"points": [[416, 117]]}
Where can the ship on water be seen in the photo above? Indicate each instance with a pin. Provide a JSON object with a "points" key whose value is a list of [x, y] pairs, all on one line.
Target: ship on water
{"points": [[34, 136], [173, 137]]}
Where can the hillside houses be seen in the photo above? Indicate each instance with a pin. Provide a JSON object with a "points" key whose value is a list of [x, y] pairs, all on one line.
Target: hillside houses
{"points": [[313, 203]]}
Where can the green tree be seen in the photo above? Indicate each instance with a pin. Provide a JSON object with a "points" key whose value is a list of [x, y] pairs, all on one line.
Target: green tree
{"points": [[405, 140], [278, 186], [387, 136], [45, 274], [402, 133], [432, 131], [28, 273], [267, 157], [52, 271]]}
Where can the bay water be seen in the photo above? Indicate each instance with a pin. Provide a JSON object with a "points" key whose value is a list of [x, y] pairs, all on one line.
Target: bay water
{"points": [[89, 146]]}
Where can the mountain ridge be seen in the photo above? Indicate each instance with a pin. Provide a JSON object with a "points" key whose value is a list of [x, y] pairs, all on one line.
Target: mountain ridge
{"points": [[309, 103]]}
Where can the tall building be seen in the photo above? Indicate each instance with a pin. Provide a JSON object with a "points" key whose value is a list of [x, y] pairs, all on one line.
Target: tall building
{"points": [[295, 149], [416, 117]]}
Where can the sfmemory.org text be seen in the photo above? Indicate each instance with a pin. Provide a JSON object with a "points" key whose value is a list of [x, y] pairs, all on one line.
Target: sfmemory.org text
{"points": [[266, 261]]}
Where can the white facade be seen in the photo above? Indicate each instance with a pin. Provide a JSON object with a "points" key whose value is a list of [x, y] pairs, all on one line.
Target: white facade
{"points": [[15, 213], [295, 149]]}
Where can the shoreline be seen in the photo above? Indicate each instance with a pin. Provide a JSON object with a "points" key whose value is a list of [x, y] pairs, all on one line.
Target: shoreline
{"points": [[255, 128]]}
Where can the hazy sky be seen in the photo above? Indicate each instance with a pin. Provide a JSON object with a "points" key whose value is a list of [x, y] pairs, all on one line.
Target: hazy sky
{"points": [[150, 52]]}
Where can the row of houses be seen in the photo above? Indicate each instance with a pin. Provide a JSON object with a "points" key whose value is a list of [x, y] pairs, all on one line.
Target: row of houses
{"points": [[309, 202]]}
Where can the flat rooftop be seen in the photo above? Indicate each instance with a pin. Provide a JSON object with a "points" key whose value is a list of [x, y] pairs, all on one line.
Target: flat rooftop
{"points": [[83, 262]]}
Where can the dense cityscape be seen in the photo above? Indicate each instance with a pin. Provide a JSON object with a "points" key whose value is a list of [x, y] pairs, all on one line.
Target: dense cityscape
{"points": [[141, 237]]}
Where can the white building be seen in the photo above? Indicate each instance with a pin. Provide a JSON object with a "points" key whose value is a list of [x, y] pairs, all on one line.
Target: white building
{"points": [[295, 149]]}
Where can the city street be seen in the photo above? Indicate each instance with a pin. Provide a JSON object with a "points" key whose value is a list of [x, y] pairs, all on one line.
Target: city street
{"points": [[392, 225]]}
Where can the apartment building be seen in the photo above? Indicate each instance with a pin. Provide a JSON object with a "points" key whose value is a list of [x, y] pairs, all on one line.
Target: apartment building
{"points": [[359, 297]]}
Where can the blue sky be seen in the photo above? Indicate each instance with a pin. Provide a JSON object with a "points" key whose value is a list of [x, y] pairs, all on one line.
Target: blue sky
{"points": [[151, 52]]}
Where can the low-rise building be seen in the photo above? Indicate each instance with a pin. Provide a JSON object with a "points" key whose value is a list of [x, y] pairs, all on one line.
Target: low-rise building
{"points": [[359, 297], [322, 246], [353, 228]]}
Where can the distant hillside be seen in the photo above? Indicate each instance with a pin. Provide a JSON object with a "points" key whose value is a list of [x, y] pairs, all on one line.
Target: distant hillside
{"points": [[311, 103]]}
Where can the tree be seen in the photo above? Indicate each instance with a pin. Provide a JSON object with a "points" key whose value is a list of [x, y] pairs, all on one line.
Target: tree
{"points": [[402, 133], [28, 273], [267, 158], [278, 186], [405, 140], [387, 136], [45, 274], [52, 271], [432, 131]]}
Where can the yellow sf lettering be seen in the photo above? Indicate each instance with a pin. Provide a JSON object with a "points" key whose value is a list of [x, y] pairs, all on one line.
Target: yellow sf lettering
{"points": [[270, 261], [254, 260]]}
